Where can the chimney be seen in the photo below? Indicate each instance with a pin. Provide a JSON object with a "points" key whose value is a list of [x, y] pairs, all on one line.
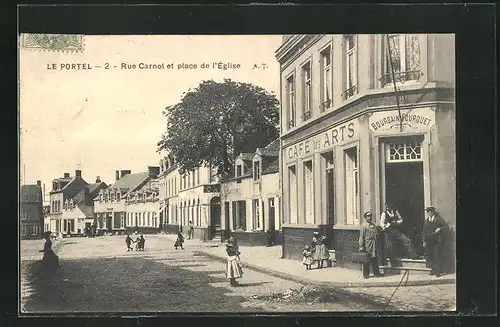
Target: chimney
{"points": [[39, 183], [66, 175], [78, 173], [117, 175], [125, 172], [86, 197], [153, 171], [98, 179]]}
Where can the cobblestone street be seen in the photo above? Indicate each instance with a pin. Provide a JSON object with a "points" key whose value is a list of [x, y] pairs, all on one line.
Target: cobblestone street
{"points": [[99, 275]]}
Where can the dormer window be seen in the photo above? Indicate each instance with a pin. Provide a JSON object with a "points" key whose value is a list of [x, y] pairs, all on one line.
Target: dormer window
{"points": [[239, 172], [118, 197], [256, 170], [71, 204], [66, 204], [100, 197]]}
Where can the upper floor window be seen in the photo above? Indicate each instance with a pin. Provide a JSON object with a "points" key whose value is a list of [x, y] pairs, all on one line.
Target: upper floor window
{"points": [[290, 102], [100, 197], [118, 197], [402, 58], [350, 65], [307, 91], [326, 76], [239, 172], [256, 170]]}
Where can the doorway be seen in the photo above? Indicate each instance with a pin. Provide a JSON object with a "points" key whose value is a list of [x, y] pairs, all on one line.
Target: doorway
{"points": [[215, 219], [272, 214], [404, 188], [109, 222]]}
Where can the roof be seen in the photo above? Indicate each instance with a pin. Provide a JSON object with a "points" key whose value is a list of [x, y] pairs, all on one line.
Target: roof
{"points": [[270, 150], [30, 193], [130, 182], [93, 191], [87, 210], [246, 156], [272, 168]]}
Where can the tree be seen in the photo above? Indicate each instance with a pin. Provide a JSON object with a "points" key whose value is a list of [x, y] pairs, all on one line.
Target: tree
{"points": [[215, 122]]}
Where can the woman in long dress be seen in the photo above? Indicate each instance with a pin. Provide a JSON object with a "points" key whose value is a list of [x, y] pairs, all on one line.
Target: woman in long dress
{"points": [[50, 260], [320, 251], [233, 265]]}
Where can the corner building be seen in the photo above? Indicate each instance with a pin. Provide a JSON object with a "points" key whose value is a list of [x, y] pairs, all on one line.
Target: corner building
{"points": [[346, 145]]}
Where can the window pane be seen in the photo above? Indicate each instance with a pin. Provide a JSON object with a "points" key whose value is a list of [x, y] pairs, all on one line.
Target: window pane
{"points": [[412, 52], [395, 53]]}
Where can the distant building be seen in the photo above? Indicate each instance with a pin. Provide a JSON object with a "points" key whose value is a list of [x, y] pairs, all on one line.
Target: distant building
{"points": [[251, 197], [142, 205], [64, 189], [351, 143], [31, 211], [189, 197], [78, 212], [110, 203]]}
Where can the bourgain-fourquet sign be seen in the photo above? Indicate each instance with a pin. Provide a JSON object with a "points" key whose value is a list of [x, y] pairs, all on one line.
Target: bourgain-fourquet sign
{"points": [[420, 119]]}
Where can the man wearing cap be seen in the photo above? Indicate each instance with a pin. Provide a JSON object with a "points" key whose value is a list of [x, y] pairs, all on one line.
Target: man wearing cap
{"points": [[434, 227], [390, 222]]}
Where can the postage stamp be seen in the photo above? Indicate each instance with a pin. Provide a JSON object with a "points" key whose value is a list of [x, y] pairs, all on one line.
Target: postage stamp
{"points": [[55, 42]]}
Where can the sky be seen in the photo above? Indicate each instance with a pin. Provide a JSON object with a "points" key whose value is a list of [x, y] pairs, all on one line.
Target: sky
{"points": [[101, 120]]}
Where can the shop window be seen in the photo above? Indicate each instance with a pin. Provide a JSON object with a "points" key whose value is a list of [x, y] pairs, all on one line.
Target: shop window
{"points": [[350, 65], [290, 104], [308, 196], [292, 195], [405, 151], [351, 185], [239, 215], [326, 78], [307, 91], [149, 219], [256, 214], [122, 220], [35, 230], [402, 57]]}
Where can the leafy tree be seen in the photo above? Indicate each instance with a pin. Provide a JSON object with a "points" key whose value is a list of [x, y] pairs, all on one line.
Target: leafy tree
{"points": [[215, 122]]}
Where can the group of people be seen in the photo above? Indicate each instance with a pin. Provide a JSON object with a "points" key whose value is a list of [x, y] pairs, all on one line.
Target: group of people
{"points": [[316, 252], [140, 242], [397, 243]]}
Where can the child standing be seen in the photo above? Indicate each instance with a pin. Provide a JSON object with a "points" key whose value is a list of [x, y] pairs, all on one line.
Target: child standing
{"points": [[142, 242], [129, 241], [307, 259], [233, 265], [179, 241]]}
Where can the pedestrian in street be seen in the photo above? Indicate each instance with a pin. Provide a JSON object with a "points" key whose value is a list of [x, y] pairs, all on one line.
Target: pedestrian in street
{"points": [[137, 243], [319, 250], [433, 240], [128, 241], [369, 242], [233, 265], [233, 241], [179, 241], [50, 260], [190, 230], [142, 242], [398, 244], [307, 259]]}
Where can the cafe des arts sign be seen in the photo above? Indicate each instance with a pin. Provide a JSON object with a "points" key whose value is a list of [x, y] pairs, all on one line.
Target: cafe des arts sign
{"points": [[411, 120]]}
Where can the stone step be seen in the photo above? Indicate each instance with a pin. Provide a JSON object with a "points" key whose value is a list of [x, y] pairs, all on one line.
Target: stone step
{"points": [[410, 263]]}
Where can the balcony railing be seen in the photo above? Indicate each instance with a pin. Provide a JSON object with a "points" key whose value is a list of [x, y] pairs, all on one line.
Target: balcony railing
{"points": [[306, 115], [349, 92], [325, 105], [291, 124], [401, 77]]}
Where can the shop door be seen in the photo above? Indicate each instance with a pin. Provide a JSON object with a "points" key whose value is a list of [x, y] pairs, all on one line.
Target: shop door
{"points": [[215, 219], [109, 223], [405, 190]]}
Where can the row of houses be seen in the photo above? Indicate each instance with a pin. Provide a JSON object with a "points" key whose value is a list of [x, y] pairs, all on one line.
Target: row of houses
{"points": [[364, 120]]}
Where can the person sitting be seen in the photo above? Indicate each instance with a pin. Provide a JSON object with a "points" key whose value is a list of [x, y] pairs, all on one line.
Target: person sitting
{"points": [[390, 222]]}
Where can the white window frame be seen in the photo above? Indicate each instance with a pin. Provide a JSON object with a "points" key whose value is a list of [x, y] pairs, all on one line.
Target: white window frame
{"points": [[348, 73], [256, 214], [326, 78], [291, 101], [352, 192], [306, 69], [402, 58], [292, 194], [308, 194], [34, 229], [406, 144], [256, 170]]}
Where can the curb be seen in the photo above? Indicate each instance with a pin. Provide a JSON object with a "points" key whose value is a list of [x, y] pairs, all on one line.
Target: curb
{"points": [[304, 280]]}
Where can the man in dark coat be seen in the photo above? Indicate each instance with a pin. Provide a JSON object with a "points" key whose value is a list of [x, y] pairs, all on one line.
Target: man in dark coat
{"points": [[433, 234], [369, 242]]}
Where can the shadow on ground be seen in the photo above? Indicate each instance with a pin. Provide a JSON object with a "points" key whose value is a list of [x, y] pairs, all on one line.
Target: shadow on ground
{"points": [[127, 285]]}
